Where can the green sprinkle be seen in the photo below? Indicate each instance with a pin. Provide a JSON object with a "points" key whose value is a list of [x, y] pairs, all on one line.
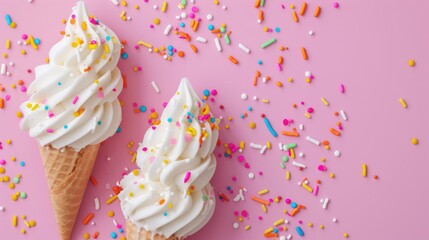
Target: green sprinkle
{"points": [[285, 158], [262, 3], [290, 145], [227, 40], [269, 42], [282, 165]]}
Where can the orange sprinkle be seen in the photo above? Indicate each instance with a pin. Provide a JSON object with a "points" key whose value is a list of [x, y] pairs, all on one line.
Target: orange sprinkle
{"points": [[1, 103], [280, 60], [20, 82], [195, 27], [261, 15], [294, 211], [181, 53], [255, 81], [257, 74], [271, 235], [93, 180], [162, 201], [261, 201], [72, 21], [257, 3], [124, 41], [290, 134], [317, 11], [335, 132], [124, 81], [232, 59], [194, 48], [216, 30], [304, 54], [87, 219], [303, 8], [295, 17], [325, 143], [279, 84]]}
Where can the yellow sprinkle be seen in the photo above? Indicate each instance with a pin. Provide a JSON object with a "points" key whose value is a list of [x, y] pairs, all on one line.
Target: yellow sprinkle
{"points": [[11, 185], [84, 27], [287, 175], [278, 222], [13, 86], [106, 48], [310, 224], [141, 43], [137, 7], [2, 170], [269, 230], [242, 145], [403, 103], [414, 141], [110, 200], [240, 219], [13, 25], [164, 6], [23, 231], [308, 188], [325, 102], [8, 141], [247, 227], [8, 43], [14, 198], [6, 179], [86, 236], [23, 52], [136, 172], [265, 101], [411, 62], [170, 205], [32, 223], [14, 220], [268, 145], [4, 55], [35, 107], [141, 186], [19, 114], [364, 170], [216, 2], [122, 14], [331, 175], [292, 153], [307, 115], [124, 3], [33, 43], [263, 191], [131, 194], [157, 21], [264, 208], [322, 226], [252, 125], [346, 235], [27, 224]]}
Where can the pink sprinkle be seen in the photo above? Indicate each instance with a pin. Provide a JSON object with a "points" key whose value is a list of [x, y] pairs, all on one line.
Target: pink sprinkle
{"points": [[191, 15], [285, 122], [214, 92], [259, 217], [173, 141], [234, 179], [244, 213], [92, 20], [187, 176], [342, 88], [7, 97], [316, 190], [322, 168], [136, 46], [50, 130], [236, 213], [260, 173], [51, 114], [310, 110], [241, 158], [144, 149], [75, 99], [151, 159], [24, 36], [246, 165], [100, 94], [3, 162], [23, 89], [195, 9], [335, 5]]}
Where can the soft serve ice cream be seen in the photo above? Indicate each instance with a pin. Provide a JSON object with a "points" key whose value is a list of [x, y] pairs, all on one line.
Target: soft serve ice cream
{"points": [[73, 100], [171, 193]]}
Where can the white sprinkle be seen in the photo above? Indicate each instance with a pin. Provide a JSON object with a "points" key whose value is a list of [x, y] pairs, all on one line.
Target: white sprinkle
{"points": [[224, 7], [255, 98], [178, 17], [325, 203], [3, 69], [301, 154], [155, 7], [311, 33], [209, 17], [307, 74], [244, 96], [337, 153], [282, 238], [297, 164], [155, 86], [301, 126], [183, 15], [289, 237], [312, 140], [343, 115], [264, 80], [334, 220], [264, 148], [218, 46], [1, 208], [244, 48], [201, 39], [256, 146], [97, 203], [251, 175], [11, 64], [92, 223], [281, 146], [115, 223], [235, 225], [168, 29]]}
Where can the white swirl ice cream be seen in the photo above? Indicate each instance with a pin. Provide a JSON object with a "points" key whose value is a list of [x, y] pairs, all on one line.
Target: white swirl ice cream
{"points": [[73, 99], [170, 194]]}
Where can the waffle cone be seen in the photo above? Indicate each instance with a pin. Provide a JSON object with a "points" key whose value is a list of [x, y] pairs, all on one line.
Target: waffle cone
{"points": [[135, 233], [67, 172]]}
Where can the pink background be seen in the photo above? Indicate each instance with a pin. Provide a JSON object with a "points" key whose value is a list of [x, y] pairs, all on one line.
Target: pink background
{"points": [[364, 45]]}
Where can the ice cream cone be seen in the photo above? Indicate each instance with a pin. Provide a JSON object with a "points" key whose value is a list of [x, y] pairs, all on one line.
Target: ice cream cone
{"points": [[67, 172], [135, 233]]}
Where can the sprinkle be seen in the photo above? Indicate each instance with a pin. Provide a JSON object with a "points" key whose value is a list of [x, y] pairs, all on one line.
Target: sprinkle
{"points": [[141, 43], [411, 63], [97, 203], [115, 2], [164, 6], [312, 140], [187, 176], [343, 115], [299, 231], [155, 86], [303, 9], [403, 103], [268, 43], [317, 11], [8, 44], [75, 99], [304, 53], [364, 170], [110, 200], [14, 220], [263, 191], [1, 103], [297, 164], [3, 69], [295, 17], [268, 125], [335, 132], [261, 201], [168, 29], [218, 46], [256, 146], [32, 42], [232, 59], [201, 39], [325, 203], [244, 48], [325, 102], [414, 141], [87, 219]]}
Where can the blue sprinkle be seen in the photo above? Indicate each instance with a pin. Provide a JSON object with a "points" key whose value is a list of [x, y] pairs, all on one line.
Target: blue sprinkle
{"points": [[118, 130], [226, 154], [22, 163], [143, 108], [228, 188], [211, 27], [189, 119], [170, 53], [37, 41], [294, 205], [114, 235], [46, 107], [260, 62], [192, 115], [121, 230], [206, 92], [188, 113], [270, 128], [182, 24], [65, 126], [212, 119], [124, 55], [241, 116], [8, 19], [59, 83], [165, 214], [276, 230], [170, 47], [299, 231], [169, 119], [277, 29], [249, 108], [99, 122], [108, 38]]}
